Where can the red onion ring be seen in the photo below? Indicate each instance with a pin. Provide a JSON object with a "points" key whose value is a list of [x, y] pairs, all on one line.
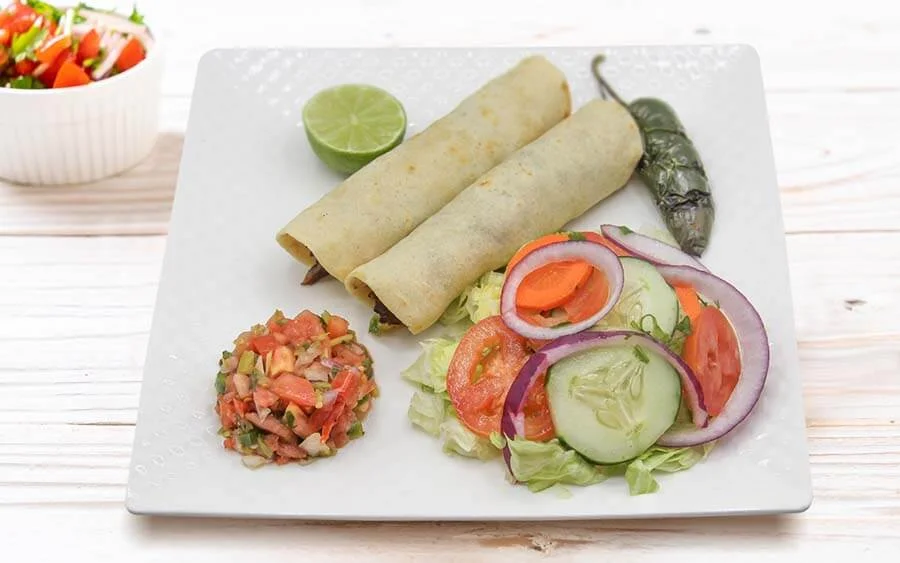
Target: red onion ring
{"points": [[596, 254], [754, 349], [512, 421], [649, 248]]}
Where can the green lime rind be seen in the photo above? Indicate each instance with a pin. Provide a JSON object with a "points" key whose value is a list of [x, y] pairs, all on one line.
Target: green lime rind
{"points": [[350, 125]]}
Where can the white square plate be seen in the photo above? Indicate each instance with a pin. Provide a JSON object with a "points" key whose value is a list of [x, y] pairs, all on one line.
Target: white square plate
{"points": [[247, 170]]}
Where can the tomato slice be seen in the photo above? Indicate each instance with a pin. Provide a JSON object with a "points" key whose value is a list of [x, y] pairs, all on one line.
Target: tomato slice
{"points": [[132, 54], [50, 50], [49, 75], [347, 384], [71, 75], [22, 22], [345, 356], [485, 363], [264, 344], [713, 353], [25, 67], [304, 327], [337, 326], [89, 46], [294, 389]]}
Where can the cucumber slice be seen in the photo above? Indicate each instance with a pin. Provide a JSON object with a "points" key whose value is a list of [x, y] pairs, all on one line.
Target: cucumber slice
{"points": [[611, 404], [645, 293]]}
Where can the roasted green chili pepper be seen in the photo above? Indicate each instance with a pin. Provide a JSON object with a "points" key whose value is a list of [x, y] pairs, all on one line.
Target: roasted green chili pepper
{"points": [[671, 168]]}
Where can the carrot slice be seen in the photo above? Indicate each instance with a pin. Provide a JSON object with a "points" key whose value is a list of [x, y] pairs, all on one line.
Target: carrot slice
{"points": [[589, 298], [530, 247], [689, 300], [554, 284]]}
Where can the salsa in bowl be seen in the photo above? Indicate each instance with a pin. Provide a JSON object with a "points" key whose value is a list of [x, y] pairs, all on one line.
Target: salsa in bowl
{"points": [[79, 92]]}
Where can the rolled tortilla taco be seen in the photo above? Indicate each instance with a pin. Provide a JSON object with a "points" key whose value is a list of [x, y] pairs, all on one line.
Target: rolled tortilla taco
{"points": [[381, 203], [536, 191]]}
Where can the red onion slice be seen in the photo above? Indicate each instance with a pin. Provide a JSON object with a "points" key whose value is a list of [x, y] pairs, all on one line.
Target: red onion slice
{"points": [[596, 254], [513, 420], [79, 30], [649, 248], [114, 45], [754, 349]]}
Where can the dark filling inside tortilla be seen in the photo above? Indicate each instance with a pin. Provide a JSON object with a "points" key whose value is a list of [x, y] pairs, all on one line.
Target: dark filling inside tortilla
{"points": [[315, 273], [385, 316]]}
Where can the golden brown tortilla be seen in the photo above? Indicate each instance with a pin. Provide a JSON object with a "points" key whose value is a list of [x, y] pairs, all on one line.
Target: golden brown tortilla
{"points": [[536, 191]]}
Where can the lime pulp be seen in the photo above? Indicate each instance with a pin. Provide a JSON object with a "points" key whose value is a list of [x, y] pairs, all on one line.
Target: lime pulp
{"points": [[350, 125]]}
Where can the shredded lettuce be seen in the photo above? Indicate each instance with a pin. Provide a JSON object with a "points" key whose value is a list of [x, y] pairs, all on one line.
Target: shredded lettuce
{"points": [[639, 472], [541, 465], [427, 411], [430, 368], [461, 441], [477, 302], [434, 415]]}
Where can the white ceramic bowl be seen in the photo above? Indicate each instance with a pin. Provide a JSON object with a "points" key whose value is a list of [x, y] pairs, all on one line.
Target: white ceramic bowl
{"points": [[81, 134]]}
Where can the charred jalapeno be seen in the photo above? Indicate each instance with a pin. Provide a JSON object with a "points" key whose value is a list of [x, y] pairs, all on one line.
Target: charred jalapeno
{"points": [[671, 168]]}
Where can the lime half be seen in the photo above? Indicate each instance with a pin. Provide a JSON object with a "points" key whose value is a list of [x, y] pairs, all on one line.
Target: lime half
{"points": [[350, 125]]}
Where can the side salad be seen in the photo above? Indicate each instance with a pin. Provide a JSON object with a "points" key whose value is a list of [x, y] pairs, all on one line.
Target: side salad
{"points": [[592, 355], [45, 46]]}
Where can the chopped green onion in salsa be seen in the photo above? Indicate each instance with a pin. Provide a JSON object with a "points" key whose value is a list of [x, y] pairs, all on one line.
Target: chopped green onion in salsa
{"points": [[44, 46], [293, 389]]}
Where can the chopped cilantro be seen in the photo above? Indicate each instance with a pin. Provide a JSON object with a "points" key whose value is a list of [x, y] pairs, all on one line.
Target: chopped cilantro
{"points": [[641, 354], [25, 44], [654, 330], [248, 438], [136, 16], [26, 83], [684, 325], [45, 9], [374, 325], [263, 448], [625, 230], [220, 383], [289, 419], [355, 431], [255, 377], [576, 236]]}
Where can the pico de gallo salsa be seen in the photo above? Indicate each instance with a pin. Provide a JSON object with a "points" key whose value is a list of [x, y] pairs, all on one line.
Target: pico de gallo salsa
{"points": [[294, 389], [45, 46]]}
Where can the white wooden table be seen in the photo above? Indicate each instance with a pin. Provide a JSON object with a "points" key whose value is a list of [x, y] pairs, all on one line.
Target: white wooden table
{"points": [[79, 269]]}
